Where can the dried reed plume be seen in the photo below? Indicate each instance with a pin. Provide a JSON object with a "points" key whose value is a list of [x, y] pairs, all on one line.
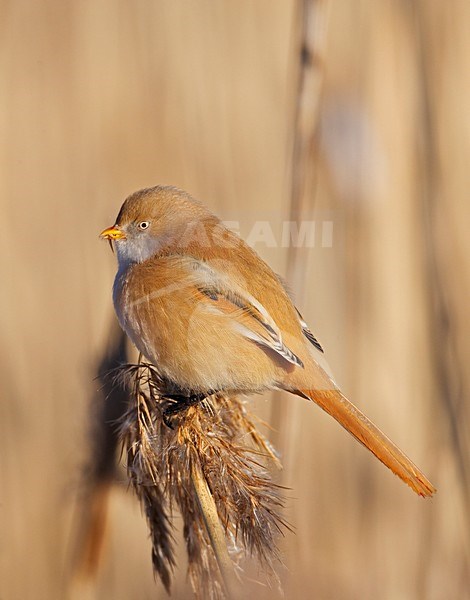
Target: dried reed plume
{"points": [[210, 467]]}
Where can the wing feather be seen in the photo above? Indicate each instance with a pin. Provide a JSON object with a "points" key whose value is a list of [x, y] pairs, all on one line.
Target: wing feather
{"points": [[250, 317]]}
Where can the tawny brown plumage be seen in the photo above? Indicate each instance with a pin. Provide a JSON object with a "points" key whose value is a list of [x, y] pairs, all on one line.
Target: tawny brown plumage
{"points": [[212, 316]]}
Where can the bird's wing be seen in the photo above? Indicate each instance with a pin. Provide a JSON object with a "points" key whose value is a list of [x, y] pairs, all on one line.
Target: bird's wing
{"points": [[305, 328], [250, 317], [308, 334]]}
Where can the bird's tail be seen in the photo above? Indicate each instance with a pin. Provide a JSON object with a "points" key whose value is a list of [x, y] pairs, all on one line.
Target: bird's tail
{"points": [[354, 421]]}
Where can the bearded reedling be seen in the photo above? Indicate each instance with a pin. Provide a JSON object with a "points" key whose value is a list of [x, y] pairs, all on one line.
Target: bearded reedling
{"points": [[213, 317]]}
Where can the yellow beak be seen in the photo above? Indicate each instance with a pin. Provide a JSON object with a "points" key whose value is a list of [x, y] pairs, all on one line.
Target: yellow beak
{"points": [[113, 233]]}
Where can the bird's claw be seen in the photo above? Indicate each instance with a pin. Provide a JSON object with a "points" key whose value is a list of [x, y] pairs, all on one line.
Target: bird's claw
{"points": [[178, 404]]}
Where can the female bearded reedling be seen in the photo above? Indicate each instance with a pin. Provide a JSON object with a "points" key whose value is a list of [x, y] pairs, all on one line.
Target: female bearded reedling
{"points": [[211, 316]]}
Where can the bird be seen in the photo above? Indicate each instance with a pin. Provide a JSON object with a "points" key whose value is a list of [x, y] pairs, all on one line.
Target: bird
{"points": [[213, 317]]}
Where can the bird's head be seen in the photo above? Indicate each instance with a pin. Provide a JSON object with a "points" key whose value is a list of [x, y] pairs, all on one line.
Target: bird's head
{"points": [[151, 219]]}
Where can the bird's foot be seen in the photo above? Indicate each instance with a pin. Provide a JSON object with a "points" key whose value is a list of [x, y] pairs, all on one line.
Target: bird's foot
{"points": [[178, 403]]}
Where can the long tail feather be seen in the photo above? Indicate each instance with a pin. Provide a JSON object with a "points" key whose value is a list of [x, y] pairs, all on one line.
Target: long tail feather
{"points": [[354, 421]]}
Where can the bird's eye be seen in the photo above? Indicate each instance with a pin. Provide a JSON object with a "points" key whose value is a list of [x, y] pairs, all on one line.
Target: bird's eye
{"points": [[144, 225]]}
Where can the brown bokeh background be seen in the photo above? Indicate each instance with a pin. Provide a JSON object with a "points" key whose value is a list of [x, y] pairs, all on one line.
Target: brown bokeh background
{"points": [[99, 99]]}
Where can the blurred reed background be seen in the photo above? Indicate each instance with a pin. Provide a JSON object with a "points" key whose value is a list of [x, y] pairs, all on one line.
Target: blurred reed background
{"points": [[370, 133]]}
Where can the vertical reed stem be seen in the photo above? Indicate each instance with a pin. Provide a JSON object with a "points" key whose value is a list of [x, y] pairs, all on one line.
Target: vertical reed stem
{"points": [[214, 528]]}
